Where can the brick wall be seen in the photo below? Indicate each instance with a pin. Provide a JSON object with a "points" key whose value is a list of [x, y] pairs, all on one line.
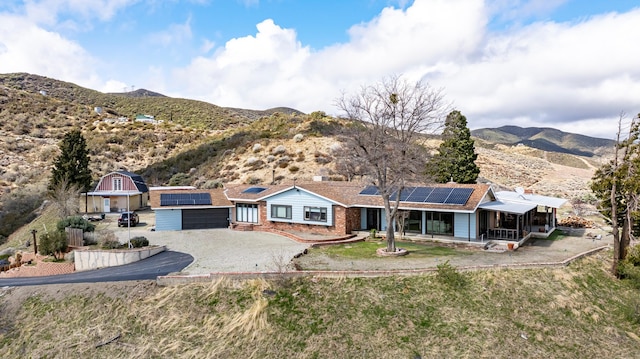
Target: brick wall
{"points": [[345, 221]]}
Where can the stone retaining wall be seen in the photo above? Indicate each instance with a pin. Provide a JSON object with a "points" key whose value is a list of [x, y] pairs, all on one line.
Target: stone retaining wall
{"points": [[86, 259]]}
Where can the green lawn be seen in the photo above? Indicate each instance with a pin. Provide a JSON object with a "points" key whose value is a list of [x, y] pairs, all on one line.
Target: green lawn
{"points": [[367, 249]]}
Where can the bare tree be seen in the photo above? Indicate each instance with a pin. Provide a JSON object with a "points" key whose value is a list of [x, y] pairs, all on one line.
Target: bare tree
{"points": [[389, 120], [65, 197]]}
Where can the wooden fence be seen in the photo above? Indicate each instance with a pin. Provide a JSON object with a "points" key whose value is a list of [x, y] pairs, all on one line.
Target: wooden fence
{"points": [[75, 236]]}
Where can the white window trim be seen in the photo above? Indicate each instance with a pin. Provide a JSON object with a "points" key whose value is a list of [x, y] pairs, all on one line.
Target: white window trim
{"points": [[117, 180]]}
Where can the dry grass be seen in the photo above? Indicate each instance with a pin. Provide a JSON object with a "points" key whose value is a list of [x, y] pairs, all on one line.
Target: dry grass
{"points": [[574, 312], [46, 221]]}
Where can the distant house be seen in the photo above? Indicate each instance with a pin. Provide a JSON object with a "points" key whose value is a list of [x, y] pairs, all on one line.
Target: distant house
{"points": [[146, 119], [117, 192]]}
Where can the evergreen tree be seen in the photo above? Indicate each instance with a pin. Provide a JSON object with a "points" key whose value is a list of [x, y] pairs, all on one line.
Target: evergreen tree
{"points": [[455, 160], [616, 185], [71, 167]]}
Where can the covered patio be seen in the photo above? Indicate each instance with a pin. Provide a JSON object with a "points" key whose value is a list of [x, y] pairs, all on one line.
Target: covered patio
{"points": [[516, 216]]}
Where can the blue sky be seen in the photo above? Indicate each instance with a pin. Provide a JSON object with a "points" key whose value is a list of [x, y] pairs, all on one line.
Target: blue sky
{"points": [[568, 64]]}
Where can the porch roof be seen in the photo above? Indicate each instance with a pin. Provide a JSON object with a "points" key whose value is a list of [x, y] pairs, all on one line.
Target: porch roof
{"points": [[535, 199], [113, 193], [515, 208]]}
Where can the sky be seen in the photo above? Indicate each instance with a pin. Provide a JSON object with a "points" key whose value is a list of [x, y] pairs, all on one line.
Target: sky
{"points": [[573, 65]]}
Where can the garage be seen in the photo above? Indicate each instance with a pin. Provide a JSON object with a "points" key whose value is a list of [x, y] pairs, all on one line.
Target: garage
{"points": [[179, 208], [205, 218]]}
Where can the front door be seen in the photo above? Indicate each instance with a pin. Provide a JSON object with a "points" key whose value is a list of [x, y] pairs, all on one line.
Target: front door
{"points": [[107, 205], [372, 218]]}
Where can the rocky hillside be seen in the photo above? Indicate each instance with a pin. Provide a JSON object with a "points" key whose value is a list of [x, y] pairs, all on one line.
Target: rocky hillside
{"points": [[201, 144]]}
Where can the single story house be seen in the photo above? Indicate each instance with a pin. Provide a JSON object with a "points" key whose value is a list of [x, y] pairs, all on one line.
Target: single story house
{"points": [[118, 191], [467, 212], [179, 208]]}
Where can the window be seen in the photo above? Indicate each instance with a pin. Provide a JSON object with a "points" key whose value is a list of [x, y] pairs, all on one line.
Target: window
{"points": [[440, 223], [117, 184], [246, 212], [280, 211], [318, 214]]}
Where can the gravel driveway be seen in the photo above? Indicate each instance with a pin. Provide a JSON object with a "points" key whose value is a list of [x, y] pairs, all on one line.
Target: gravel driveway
{"points": [[224, 250], [218, 250]]}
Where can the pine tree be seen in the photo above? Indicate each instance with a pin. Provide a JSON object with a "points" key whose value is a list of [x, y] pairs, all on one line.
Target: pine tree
{"points": [[455, 160], [71, 167], [616, 185]]}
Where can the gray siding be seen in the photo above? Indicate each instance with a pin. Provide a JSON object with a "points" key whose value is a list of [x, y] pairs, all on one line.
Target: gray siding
{"points": [[168, 220]]}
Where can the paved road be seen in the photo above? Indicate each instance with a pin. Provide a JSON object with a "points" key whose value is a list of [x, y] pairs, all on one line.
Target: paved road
{"points": [[161, 264]]}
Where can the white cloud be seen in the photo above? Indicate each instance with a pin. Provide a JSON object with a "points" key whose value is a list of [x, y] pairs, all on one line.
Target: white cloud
{"points": [[252, 71], [48, 11], [174, 34], [114, 86], [554, 73], [35, 50], [575, 76]]}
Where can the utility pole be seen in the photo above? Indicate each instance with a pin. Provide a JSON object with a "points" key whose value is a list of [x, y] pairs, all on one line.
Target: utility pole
{"points": [[35, 242]]}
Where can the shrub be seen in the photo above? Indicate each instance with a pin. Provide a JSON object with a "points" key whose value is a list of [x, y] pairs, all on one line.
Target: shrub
{"points": [[298, 138], [449, 275], [110, 244], [108, 240], [138, 242], [294, 169], [257, 147], [278, 150], [254, 180], [633, 255], [53, 243], [89, 238], [180, 179], [323, 160], [213, 184], [75, 222]]}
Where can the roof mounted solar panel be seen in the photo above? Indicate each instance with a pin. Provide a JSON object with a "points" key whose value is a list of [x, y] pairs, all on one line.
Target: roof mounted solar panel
{"points": [[254, 190], [185, 199], [403, 195], [459, 196], [419, 194], [406, 192], [439, 195], [370, 190]]}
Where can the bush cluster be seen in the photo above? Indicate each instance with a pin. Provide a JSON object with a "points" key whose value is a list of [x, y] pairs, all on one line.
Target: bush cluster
{"points": [[139, 242], [449, 275], [75, 222], [54, 243], [629, 268]]}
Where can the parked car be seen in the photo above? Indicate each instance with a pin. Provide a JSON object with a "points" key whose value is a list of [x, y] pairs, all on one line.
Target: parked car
{"points": [[123, 220]]}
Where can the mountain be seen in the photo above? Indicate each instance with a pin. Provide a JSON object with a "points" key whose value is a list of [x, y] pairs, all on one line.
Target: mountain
{"points": [[205, 145], [192, 113], [546, 139]]}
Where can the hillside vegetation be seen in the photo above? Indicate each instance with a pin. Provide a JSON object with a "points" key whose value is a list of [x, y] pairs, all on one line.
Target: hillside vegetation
{"points": [[578, 311], [205, 145]]}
